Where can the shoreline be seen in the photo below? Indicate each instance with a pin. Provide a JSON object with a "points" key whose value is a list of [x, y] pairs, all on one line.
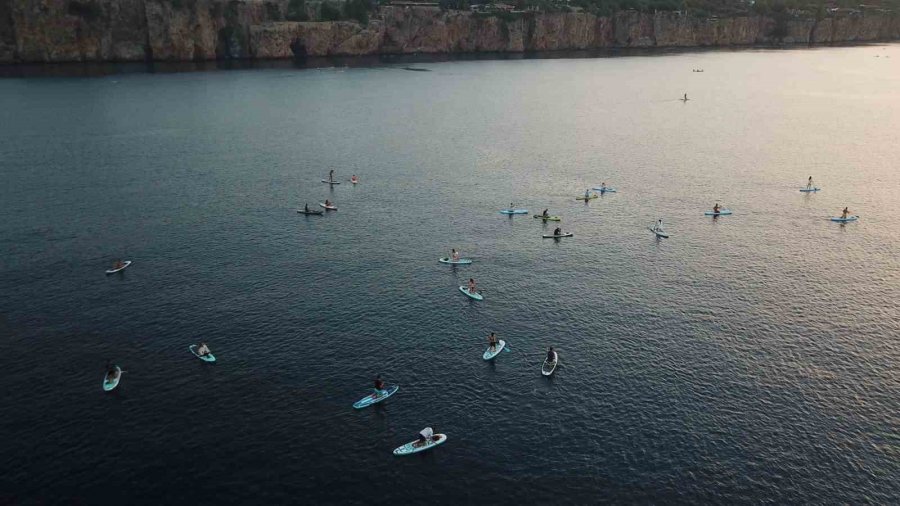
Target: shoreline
{"points": [[102, 69]]}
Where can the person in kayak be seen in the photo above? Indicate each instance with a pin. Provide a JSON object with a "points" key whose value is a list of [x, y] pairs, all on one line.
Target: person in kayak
{"points": [[111, 373], [118, 264], [809, 183], [587, 193], [454, 255], [328, 203], [716, 208], [557, 231], [471, 285], [551, 355], [845, 213], [658, 227], [203, 349], [492, 341], [546, 213], [425, 435], [379, 387]]}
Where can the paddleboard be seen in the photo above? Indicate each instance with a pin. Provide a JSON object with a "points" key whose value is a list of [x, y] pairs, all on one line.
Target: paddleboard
{"points": [[206, 358], [809, 190], [514, 211], [330, 208], [551, 236], [548, 218], [461, 261], [410, 448], [848, 219], [604, 190], [489, 355], [659, 233], [723, 212], [331, 182], [313, 213], [109, 386], [125, 264], [587, 198], [370, 399], [465, 290], [548, 367]]}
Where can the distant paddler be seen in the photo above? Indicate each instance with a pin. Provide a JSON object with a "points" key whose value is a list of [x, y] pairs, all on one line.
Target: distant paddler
{"points": [[809, 183]]}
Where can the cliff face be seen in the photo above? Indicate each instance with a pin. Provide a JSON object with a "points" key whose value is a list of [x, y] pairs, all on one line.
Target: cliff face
{"points": [[178, 30]]}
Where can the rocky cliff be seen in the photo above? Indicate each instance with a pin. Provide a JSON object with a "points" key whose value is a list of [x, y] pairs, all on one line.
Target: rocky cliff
{"points": [[179, 30]]}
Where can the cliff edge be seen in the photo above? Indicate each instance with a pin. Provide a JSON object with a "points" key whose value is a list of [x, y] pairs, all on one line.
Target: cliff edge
{"points": [[189, 30]]}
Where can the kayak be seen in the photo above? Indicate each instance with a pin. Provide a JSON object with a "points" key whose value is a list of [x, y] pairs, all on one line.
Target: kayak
{"points": [[548, 367], [489, 355], [848, 219], [809, 190], [125, 264], [476, 295], [371, 399], [312, 213], [206, 358], [108, 385], [331, 182], [551, 236], [514, 211], [330, 208], [723, 212], [659, 233], [604, 190], [587, 198], [461, 261], [548, 218], [412, 447]]}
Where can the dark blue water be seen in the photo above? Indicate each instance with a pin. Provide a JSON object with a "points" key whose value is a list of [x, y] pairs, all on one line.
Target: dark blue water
{"points": [[748, 359]]}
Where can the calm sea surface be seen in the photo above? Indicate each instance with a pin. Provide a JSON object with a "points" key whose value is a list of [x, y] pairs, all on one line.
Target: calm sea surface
{"points": [[754, 358]]}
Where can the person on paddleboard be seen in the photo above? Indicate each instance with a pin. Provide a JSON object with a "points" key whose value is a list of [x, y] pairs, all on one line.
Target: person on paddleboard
{"points": [[809, 183], [471, 285], [557, 231], [550, 354], [546, 213], [379, 387], [587, 193], [331, 175], [203, 349], [685, 97], [328, 203], [425, 435], [845, 213], [658, 226], [716, 208], [306, 207], [603, 186], [454, 255], [492, 341]]}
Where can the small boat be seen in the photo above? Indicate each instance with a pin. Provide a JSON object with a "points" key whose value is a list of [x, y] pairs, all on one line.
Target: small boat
{"points": [[476, 295], [121, 268], [332, 207], [209, 357], [109, 384], [548, 367], [461, 261], [415, 447], [374, 398]]}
